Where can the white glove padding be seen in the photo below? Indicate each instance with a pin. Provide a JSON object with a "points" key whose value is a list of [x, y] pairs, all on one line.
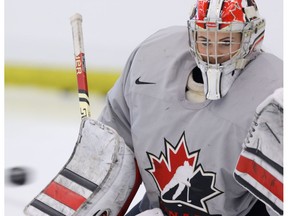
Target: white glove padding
{"points": [[260, 165], [100, 178], [151, 212]]}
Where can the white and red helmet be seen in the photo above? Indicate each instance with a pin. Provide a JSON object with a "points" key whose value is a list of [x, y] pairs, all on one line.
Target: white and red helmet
{"points": [[227, 16]]}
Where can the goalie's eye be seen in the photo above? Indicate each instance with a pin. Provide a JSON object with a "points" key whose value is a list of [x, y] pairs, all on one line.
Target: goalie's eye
{"points": [[203, 42], [226, 43]]}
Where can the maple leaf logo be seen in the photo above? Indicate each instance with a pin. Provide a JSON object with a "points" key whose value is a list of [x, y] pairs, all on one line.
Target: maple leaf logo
{"points": [[182, 183]]}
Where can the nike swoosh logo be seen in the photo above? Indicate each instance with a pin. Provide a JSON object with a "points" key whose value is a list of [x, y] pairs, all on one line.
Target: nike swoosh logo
{"points": [[138, 82]]}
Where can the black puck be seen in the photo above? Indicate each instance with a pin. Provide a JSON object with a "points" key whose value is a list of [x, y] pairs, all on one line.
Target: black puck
{"points": [[18, 175]]}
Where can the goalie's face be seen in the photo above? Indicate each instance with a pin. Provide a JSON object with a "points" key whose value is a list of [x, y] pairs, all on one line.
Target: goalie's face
{"points": [[216, 47]]}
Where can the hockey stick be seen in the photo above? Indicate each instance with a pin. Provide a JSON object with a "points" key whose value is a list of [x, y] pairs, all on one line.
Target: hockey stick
{"points": [[77, 34]]}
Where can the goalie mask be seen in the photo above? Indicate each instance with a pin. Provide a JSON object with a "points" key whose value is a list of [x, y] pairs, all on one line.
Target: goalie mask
{"points": [[224, 35]]}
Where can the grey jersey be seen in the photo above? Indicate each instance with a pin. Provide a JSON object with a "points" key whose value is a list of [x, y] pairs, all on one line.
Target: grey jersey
{"points": [[186, 152]]}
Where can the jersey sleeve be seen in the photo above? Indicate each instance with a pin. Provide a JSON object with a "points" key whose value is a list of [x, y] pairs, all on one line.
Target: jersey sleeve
{"points": [[116, 112]]}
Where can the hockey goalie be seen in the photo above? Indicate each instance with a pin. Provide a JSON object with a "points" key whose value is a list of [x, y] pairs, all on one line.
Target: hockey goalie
{"points": [[183, 104]]}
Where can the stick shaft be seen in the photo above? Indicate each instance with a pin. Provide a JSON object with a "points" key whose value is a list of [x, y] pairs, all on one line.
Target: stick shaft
{"points": [[77, 34]]}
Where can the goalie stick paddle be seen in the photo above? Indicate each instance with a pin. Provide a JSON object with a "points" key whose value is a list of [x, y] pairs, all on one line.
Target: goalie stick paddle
{"points": [[86, 186]]}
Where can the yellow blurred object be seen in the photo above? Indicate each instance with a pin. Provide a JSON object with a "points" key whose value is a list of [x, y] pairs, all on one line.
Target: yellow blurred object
{"points": [[99, 80]]}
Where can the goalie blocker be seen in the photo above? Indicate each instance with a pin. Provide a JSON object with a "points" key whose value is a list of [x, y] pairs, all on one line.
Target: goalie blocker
{"points": [[100, 178], [260, 166]]}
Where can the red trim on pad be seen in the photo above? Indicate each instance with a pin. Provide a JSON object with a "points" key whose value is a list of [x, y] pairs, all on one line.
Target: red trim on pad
{"points": [[64, 195]]}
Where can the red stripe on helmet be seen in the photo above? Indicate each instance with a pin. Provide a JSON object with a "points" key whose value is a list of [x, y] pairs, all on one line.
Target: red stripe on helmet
{"points": [[258, 40], [202, 10]]}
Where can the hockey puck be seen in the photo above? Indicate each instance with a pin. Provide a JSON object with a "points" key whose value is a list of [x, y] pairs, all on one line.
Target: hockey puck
{"points": [[18, 175]]}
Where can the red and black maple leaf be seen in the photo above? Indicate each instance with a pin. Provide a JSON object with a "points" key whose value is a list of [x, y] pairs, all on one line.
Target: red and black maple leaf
{"points": [[183, 184]]}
